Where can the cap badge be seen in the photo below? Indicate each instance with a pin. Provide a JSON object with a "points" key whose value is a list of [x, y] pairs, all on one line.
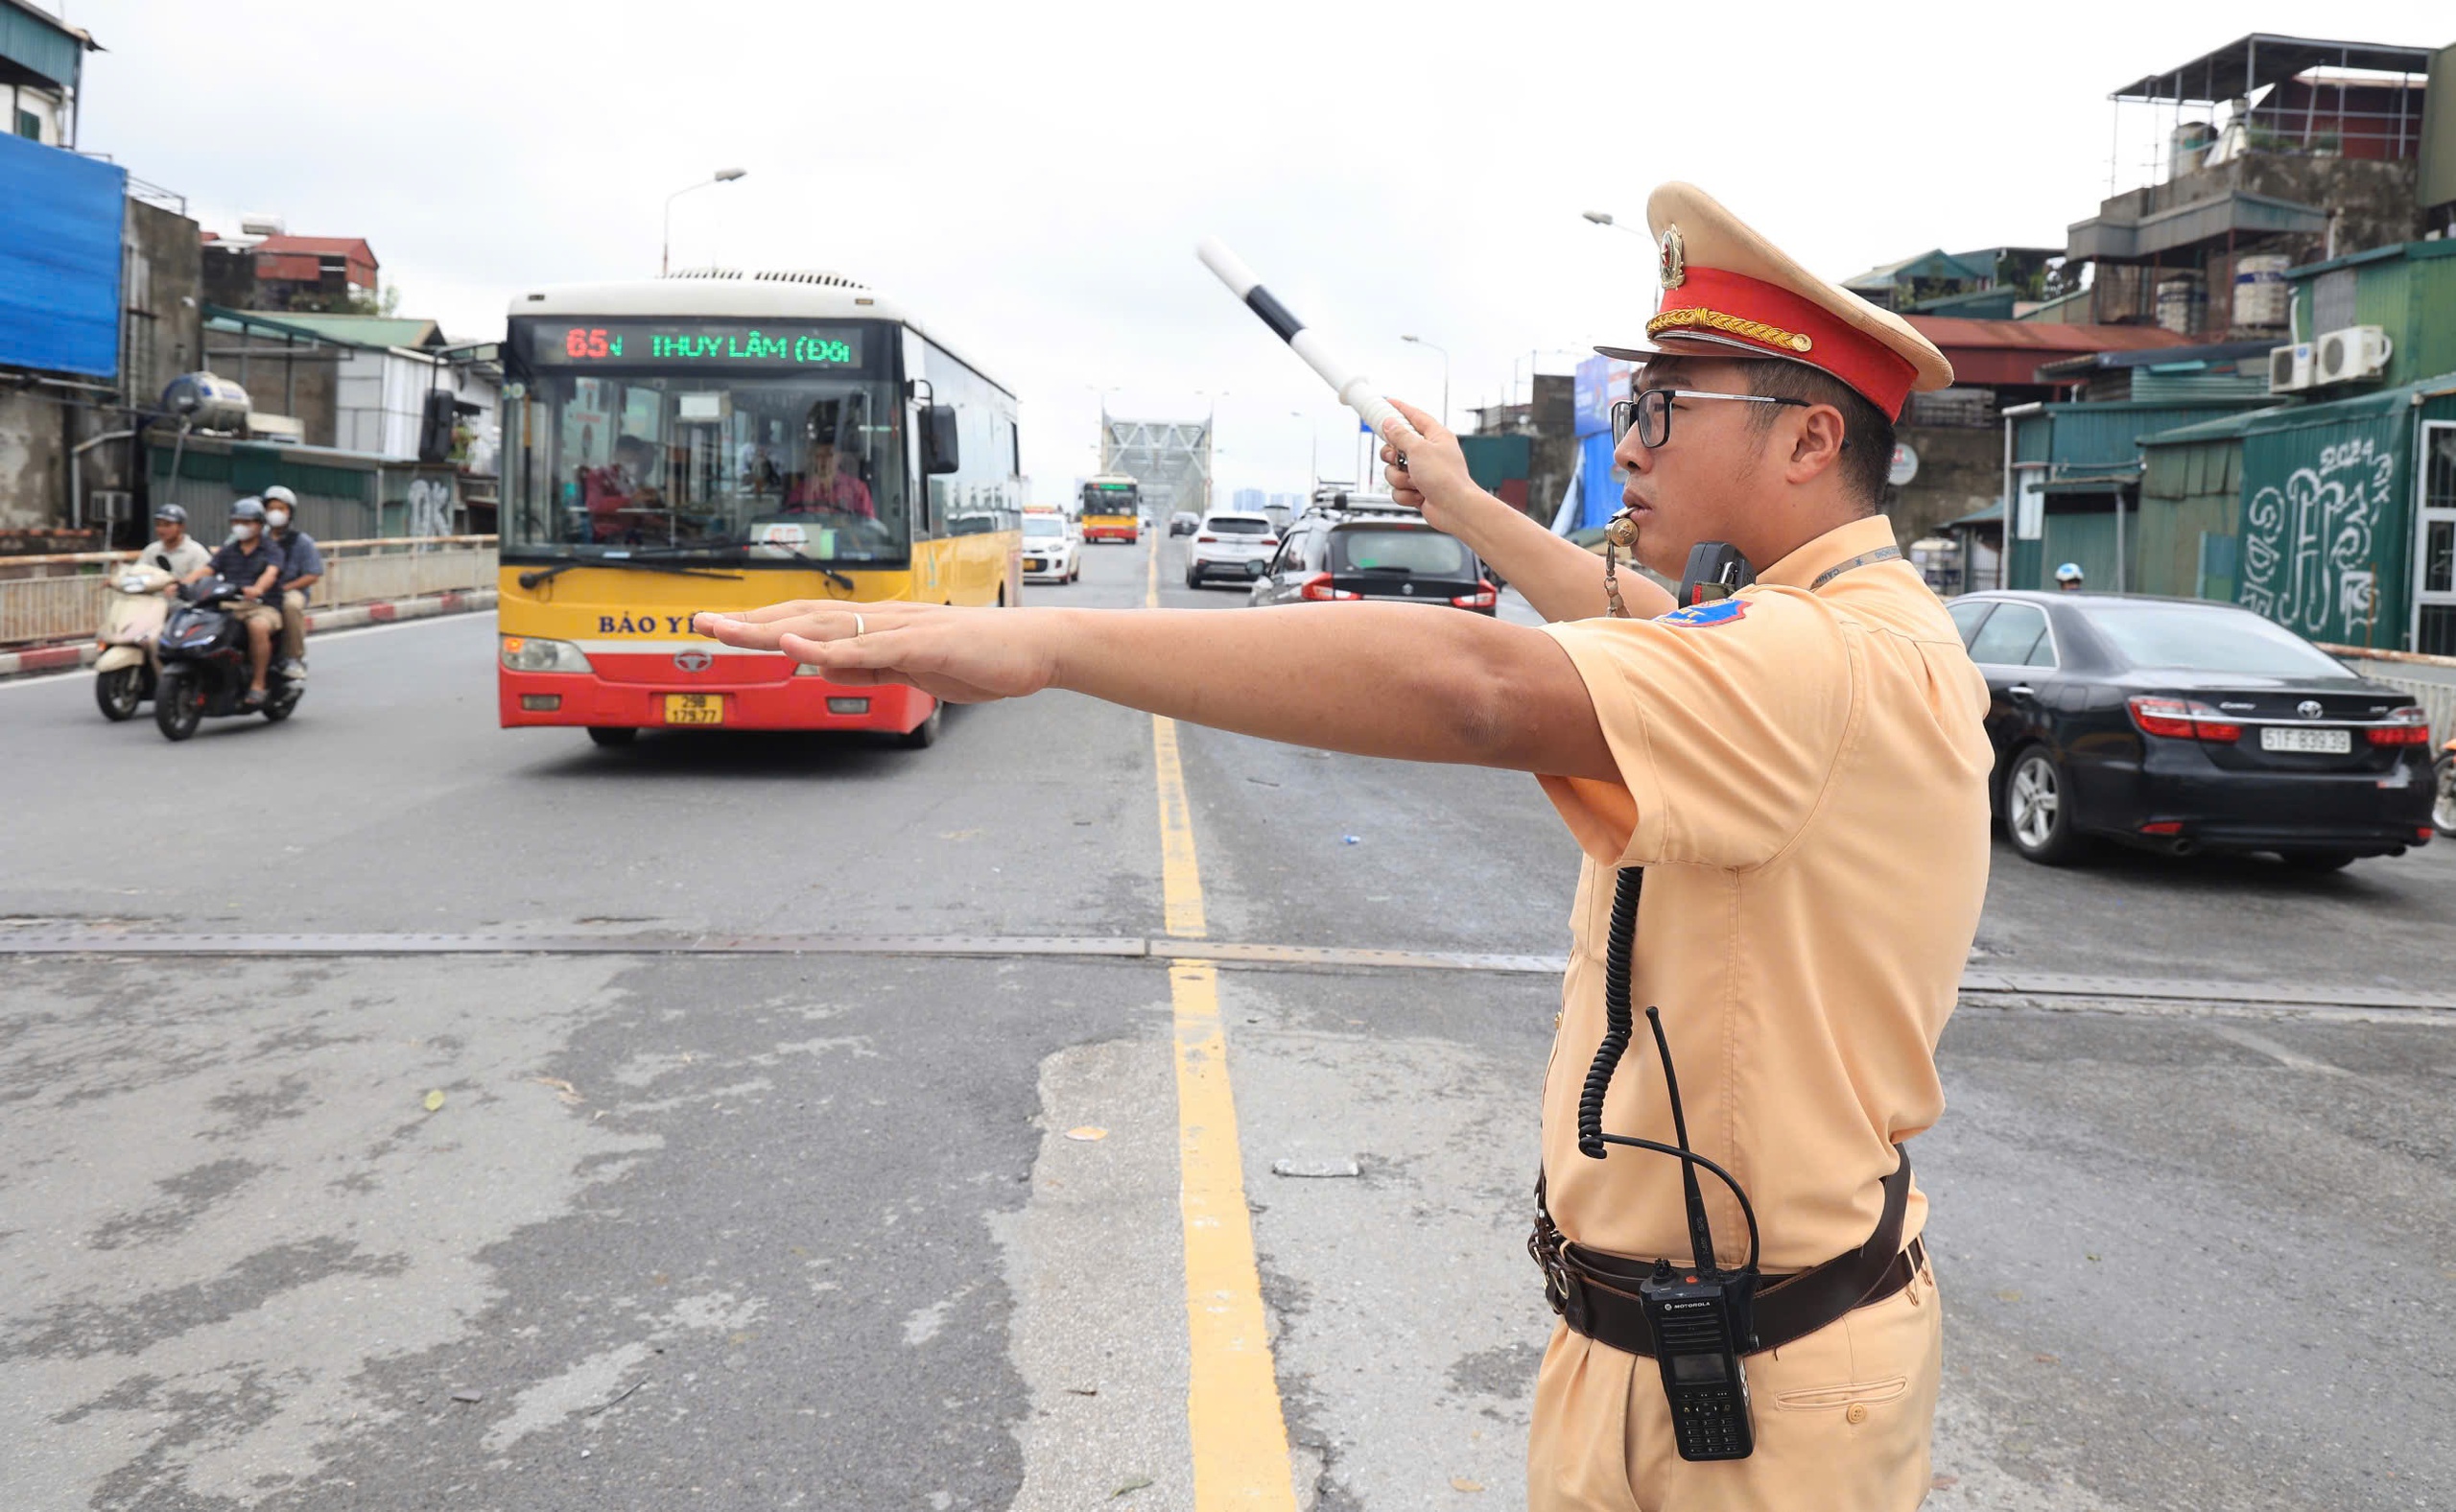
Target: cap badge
{"points": [[1715, 320], [1675, 258]]}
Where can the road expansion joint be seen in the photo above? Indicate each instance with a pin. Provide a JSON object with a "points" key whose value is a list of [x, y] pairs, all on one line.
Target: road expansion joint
{"points": [[2046, 991]]}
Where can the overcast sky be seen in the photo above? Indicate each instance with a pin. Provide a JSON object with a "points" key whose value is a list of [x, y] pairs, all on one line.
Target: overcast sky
{"points": [[1030, 179]]}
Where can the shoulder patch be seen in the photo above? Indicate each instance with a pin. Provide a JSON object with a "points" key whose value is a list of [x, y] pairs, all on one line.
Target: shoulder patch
{"points": [[1704, 616]]}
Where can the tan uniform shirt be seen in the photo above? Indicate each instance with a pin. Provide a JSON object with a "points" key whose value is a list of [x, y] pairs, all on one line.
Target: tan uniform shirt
{"points": [[1803, 776]]}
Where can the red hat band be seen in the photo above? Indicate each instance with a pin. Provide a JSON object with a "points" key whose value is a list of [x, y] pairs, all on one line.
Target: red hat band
{"points": [[1734, 307]]}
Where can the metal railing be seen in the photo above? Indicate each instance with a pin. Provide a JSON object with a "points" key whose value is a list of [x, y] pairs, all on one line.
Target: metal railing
{"points": [[2431, 680], [62, 597]]}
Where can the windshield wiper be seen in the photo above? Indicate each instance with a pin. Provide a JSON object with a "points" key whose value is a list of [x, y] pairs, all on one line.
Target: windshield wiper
{"points": [[530, 579], [741, 550], [796, 553], [1404, 571]]}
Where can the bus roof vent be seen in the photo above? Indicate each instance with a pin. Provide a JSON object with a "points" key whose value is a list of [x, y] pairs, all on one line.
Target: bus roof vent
{"points": [[729, 274], [809, 275]]}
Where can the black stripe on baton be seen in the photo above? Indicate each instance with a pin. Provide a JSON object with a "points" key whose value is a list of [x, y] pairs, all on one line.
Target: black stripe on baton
{"points": [[1274, 313]]}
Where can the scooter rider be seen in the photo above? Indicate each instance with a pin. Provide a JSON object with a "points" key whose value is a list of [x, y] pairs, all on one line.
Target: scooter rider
{"points": [[174, 549], [303, 566], [253, 561]]}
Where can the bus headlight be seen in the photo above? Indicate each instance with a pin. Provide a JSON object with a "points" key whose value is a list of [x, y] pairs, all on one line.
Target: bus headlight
{"points": [[528, 654]]}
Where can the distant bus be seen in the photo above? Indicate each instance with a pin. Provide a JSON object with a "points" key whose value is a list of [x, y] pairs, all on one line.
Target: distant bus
{"points": [[724, 440], [1112, 508]]}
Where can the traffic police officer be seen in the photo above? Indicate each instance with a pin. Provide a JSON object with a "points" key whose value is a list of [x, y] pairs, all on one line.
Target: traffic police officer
{"points": [[1801, 768]]}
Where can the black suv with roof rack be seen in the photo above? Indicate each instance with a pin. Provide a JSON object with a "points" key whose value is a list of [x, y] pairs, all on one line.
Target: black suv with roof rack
{"points": [[1352, 546]]}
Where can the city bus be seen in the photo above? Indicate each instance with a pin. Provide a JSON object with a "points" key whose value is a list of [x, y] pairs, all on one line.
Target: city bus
{"points": [[721, 440], [1112, 508]]}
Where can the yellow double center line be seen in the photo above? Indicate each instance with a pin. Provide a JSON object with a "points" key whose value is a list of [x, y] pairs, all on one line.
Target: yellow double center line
{"points": [[1231, 1398]]}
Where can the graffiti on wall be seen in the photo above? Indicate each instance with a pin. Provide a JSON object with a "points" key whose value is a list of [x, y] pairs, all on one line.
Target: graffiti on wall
{"points": [[429, 506], [2307, 556]]}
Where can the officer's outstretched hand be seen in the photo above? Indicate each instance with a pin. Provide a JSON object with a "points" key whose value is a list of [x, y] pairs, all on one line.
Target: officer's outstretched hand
{"points": [[1435, 478], [961, 655]]}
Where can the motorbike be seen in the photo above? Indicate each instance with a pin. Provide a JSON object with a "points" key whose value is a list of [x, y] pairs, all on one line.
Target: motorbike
{"points": [[2442, 803], [124, 675], [202, 650]]}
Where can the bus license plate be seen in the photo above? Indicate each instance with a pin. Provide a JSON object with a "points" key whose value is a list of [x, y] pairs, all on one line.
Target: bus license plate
{"points": [[695, 708], [2319, 743]]}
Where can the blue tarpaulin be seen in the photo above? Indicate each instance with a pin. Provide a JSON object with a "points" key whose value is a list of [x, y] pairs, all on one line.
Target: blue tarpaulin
{"points": [[1600, 380], [59, 260], [1598, 480]]}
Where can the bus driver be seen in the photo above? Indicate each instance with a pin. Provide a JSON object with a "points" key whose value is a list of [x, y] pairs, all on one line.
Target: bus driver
{"points": [[826, 486]]}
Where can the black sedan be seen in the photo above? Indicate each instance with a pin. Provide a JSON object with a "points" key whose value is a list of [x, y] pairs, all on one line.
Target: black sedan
{"points": [[2185, 726]]}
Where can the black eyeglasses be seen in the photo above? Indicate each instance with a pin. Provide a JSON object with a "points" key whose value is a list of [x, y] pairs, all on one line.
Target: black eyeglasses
{"points": [[1650, 412]]}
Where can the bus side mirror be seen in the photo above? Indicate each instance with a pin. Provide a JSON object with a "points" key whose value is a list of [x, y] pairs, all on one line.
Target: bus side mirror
{"points": [[939, 452]]}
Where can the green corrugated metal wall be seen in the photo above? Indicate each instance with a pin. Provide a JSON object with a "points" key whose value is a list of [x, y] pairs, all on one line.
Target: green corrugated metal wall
{"points": [[2429, 347], [2189, 491], [2326, 524], [2087, 540], [2082, 441], [2409, 296]]}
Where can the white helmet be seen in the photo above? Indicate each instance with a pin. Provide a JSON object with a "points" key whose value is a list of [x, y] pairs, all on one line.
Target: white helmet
{"points": [[277, 494], [2070, 571]]}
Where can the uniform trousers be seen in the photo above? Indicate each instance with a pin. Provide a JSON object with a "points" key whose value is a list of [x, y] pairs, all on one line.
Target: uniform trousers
{"points": [[293, 625], [1843, 1419]]}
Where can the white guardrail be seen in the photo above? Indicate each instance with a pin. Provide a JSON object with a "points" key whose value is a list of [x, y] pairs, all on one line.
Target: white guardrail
{"points": [[2430, 680], [62, 597]]}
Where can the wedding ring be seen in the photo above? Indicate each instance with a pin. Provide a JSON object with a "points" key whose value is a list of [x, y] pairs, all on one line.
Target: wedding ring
{"points": [[858, 626]]}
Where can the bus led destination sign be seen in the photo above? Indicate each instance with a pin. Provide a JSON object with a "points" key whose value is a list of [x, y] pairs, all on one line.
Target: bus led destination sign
{"points": [[696, 344]]}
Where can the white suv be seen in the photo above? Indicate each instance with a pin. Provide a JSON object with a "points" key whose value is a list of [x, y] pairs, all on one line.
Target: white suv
{"points": [[1231, 545]]}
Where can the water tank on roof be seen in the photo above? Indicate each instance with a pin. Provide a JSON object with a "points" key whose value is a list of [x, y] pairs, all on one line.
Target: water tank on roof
{"points": [[2260, 291], [2183, 304], [207, 402]]}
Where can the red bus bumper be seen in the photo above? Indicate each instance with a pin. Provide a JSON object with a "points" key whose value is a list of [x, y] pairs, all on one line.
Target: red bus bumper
{"points": [[790, 703], [1111, 532]]}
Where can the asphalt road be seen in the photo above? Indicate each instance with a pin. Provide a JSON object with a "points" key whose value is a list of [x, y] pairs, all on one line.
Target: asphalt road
{"points": [[728, 1230]]}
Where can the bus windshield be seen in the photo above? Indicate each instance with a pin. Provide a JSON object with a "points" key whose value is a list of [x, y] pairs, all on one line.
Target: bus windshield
{"points": [[797, 465], [1109, 498]]}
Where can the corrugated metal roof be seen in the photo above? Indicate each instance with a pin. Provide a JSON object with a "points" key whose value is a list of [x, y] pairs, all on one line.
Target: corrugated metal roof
{"points": [[42, 44], [2264, 58], [318, 246], [2417, 251], [1934, 263], [368, 330], [2104, 436], [2295, 417]]}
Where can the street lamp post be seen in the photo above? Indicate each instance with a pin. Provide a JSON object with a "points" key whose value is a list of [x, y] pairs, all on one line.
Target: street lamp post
{"points": [[665, 254], [1604, 218], [1210, 439], [1445, 375]]}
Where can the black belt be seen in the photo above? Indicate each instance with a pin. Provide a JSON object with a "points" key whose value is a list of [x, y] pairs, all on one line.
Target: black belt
{"points": [[1597, 1293]]}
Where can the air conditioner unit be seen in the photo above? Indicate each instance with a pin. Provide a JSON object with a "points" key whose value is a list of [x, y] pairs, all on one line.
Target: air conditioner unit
{"points": [[2289, 368], [2353, 351]]}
